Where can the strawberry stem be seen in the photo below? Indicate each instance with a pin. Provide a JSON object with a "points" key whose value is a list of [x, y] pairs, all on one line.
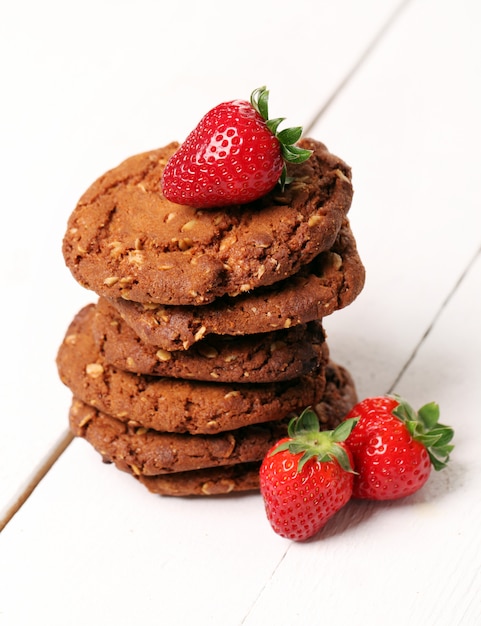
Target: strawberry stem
{"points": [[287, 137], [305, 436]]}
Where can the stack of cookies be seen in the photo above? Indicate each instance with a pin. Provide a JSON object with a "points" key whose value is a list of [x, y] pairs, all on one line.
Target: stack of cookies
{"points": [[207, 333]]}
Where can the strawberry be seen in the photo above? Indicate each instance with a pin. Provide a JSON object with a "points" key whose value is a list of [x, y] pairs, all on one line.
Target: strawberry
{"points": [[306, 477], [235, 155], [394, 447]]}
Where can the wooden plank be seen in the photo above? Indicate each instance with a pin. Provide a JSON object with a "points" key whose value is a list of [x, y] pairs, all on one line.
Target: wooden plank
{"points": [[417, 559], [91, 545], [217, 561], [89, 87], [417, 218], [409, 124]]}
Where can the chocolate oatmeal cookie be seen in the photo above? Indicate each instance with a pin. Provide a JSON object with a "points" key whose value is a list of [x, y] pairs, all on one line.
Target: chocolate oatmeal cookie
{"points": [[212, 481], [330, 282], [125, 240], [260, 358], [148, 452], [175, 405]]}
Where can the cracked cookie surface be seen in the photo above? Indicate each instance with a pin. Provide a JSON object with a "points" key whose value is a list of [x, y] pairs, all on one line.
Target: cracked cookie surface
{"points": [[125, 240], [330, 282], [174, 405], [148, 452], [259, 358]]}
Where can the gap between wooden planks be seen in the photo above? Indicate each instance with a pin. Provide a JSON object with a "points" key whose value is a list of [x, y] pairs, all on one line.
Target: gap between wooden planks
{"points": [[434, 320], [363, 57], [35, 479]]}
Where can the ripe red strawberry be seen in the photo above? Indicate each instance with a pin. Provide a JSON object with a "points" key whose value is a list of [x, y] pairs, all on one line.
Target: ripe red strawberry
{"points": [[394, 447], [306, 477], [235, 155]]}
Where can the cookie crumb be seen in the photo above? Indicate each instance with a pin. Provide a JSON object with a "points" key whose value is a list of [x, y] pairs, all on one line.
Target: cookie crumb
{"points": [[94, 370]]}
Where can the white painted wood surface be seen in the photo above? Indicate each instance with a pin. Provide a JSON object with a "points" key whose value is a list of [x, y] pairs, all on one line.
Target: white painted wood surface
{"points": [[85, 88], [89, 545]]}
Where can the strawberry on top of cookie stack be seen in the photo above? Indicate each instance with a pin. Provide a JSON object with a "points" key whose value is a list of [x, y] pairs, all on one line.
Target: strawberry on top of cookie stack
{"points": [[214, 263]]}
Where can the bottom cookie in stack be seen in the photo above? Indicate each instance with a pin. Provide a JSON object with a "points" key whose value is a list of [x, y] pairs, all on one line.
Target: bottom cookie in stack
{"points": [[182, 464]]}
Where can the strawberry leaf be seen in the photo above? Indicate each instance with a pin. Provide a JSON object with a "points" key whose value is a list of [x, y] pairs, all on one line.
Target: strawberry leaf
{"points": [[284, 445], [339, 453], [294, 154], [445, 434], [273, 124], [287, 137], [260, 101], [290, 135], [306, 422], [404, 411], [342, 432], [306, 438], [440, 457], [424, 427], [284, 179], [303, 460], [429, 414]]}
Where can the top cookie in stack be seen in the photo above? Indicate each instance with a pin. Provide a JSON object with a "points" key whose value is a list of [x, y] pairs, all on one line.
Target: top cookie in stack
{"points": [[126, 240], [209, 320]]}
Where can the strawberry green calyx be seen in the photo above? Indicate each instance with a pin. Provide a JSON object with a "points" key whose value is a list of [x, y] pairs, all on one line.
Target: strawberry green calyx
{"points": [[287, 137], [305, 436], [423, 426]]}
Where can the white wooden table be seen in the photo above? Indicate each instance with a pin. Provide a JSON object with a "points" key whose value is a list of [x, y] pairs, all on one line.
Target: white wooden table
{"points": [[393, 88]]}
